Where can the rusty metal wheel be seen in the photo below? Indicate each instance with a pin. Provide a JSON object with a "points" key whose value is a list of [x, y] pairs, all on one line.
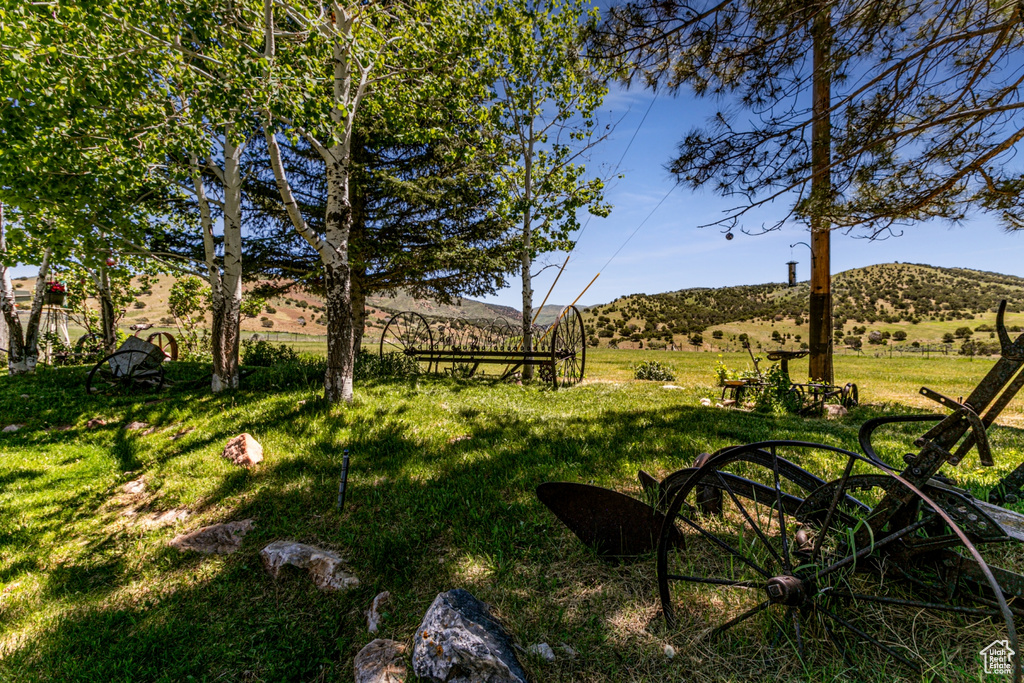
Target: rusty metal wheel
{"points": [[125, 372], [851, 590], [166, 342], [408, 333], [569, 347]]}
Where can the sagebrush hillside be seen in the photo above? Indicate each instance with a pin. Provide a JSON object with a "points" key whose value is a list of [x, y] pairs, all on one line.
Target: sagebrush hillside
{"points": [[898, 302], [923, 302]]}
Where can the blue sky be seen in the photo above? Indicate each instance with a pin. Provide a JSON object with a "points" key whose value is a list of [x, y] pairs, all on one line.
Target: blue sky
{"points": [[671, 252]]}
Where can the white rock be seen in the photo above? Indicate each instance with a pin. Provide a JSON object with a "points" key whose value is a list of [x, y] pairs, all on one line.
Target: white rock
{"points": [[373, 616], [833, 410], [706, 402], [325, 566], [11, 428], [135, 486], [459, 641], [542, 649], [670, 651], [243, 450], [670, 386]]}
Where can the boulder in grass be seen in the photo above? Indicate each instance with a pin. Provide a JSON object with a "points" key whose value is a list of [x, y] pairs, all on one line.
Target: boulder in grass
{"points": [[243, 450], [459, 641], [11, 428], [833, 410], [217, 539], [325, 566], [381, 661]]}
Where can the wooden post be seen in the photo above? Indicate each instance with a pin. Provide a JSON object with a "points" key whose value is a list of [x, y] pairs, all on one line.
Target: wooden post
{"points": [[820, 321]]}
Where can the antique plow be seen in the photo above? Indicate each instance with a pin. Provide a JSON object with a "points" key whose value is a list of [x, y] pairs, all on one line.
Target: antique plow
{"points": [[890, 570], [136, 365], [459, 345]]}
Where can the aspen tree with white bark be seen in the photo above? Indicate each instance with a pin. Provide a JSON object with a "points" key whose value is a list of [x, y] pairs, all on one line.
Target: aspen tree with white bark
{"points": [[388, 49], [543, 122], [22, 341]]}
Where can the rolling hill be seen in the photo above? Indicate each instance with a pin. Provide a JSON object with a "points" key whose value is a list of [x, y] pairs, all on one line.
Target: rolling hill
{"points": [[924, 302], [892, 299]]}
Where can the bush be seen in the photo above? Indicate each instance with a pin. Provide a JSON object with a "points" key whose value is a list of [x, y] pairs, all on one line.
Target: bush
{"points": [[653, 370], [390, 365], [776, 397], [263, 354]]}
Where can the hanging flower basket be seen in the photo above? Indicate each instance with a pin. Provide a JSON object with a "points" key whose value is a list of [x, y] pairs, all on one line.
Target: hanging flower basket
{"points": [[54, 294]]}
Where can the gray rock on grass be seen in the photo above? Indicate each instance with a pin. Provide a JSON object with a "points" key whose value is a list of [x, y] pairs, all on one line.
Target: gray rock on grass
{"points": [[325, 566], [216, 539], [459, 641], [543, 650], [381, 661]]}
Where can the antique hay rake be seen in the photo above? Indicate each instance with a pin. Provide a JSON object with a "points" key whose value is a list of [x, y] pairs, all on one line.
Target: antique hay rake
{"points": [[559, 351], [871, 571]]}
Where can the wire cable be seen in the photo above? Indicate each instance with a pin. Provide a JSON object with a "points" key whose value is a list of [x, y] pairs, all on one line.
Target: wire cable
{"points": [[657, 206]]}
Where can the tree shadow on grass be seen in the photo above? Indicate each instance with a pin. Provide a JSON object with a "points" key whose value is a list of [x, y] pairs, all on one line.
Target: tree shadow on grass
{"points": [[422, 516]]}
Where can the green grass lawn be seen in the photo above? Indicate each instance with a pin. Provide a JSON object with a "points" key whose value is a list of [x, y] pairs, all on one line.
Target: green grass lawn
{"points": [[441, 495]]}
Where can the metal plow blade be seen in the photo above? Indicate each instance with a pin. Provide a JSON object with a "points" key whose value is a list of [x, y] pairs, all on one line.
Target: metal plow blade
{"points": [[616, 526]]}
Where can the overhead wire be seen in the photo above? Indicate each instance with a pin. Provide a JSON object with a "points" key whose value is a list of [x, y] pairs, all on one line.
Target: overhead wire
{"points": [[576, 242]]}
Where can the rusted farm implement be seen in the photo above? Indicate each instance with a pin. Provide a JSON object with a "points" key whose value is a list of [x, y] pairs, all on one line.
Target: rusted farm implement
{"points": [[559, 351], [882, 566], [136, 365], [812, 396]]}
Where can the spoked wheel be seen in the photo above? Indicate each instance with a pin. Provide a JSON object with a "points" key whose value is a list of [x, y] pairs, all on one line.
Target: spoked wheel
{"points": [[848, 396], [125, 372], [772, 567], [569, 347], [89, 345], [408, 333], [166, 342]]}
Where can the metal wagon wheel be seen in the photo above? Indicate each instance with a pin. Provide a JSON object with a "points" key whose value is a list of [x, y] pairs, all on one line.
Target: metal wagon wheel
{"points": [[769, 564], [849, 396], [569, 347], [89, 344], [124, 372], [408, 333], [166, 342]]}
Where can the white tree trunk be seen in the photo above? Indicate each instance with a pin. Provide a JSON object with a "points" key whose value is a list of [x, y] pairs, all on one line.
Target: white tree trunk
{"points": [[526, 260], [333, 248], [226, 285], [338, 229]]}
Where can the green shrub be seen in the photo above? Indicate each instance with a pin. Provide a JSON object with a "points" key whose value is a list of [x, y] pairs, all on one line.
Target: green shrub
{"points": [[776, 396], [263, 354], [653, 370], [390, 365]]}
